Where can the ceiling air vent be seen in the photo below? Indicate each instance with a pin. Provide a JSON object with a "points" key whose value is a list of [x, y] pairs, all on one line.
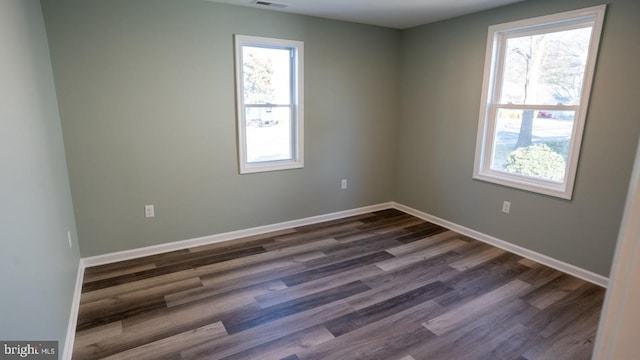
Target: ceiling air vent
{"points": [[269, 4]]}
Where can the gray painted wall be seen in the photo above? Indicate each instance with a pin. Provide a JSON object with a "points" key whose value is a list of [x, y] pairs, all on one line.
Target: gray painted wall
{"points": [[442, 67], [37, 268], [147, 101], [146, 96]]}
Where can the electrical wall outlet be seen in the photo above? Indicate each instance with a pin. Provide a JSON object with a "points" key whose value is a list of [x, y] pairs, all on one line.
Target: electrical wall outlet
{"points": [[343, 184], [149, 211], [506, 207]]}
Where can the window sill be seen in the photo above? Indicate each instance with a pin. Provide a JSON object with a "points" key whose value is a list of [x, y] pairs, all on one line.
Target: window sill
{"points": [[559, 190], [272, 166]]}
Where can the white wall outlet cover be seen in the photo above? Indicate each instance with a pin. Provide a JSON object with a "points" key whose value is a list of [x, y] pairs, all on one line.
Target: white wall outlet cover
{"points": [[506, 207], [149, 211]]}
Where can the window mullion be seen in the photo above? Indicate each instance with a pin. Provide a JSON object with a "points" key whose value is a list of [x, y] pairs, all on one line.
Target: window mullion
{"points": [[538, 107]]}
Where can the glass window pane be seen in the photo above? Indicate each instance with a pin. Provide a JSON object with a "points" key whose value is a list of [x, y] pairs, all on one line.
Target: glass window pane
{"points": [[268, 134], [267, 75], [532, 142], [545, 69], [269, 96]]}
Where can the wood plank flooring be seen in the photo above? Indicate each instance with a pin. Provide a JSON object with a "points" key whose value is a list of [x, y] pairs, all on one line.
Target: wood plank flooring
{"points": [[383, 285]]}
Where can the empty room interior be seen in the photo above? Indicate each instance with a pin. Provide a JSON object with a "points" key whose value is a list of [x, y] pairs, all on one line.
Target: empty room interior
{"points": [[161, 200]]}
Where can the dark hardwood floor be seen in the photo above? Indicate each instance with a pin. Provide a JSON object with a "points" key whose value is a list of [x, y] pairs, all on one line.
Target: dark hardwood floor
{"points": [[383, 285]]}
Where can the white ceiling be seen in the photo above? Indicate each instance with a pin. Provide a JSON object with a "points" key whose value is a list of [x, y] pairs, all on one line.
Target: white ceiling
{"points": [[397, 14]]}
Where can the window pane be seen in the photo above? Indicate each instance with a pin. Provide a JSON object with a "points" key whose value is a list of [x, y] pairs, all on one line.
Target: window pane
{"points": [[534, 100], [268, 132], [532, 142], [267, 75], [270, 95], [545, 69]]}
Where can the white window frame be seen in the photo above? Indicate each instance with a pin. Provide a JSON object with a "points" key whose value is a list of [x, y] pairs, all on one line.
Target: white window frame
{"points": [[494, 60], [296, 104]]}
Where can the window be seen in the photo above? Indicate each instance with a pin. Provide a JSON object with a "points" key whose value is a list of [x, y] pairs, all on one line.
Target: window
{"points": [[270, 103], [537, 82]]}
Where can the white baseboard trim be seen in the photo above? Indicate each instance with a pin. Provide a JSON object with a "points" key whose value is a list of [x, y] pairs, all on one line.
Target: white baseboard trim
{"points": [[215, 238], [73, 315], [210, 239], [518, 250], [205, 240]]}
